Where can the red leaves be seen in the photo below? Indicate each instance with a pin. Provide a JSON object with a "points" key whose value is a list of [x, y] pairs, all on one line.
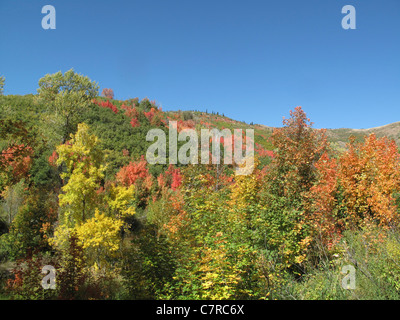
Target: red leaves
{"points": [[106, 104], [135, 123], [133, 171], [323, 204], [136, 173], [53, 159], [149, 115], [172, 178], [18, 159], [132, 113], [263, 152], [176, 179], [108, 93], [154, 116], [125, 153]]}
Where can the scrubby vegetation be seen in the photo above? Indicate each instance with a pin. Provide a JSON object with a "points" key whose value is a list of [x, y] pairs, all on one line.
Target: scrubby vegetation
{"points": [[76, 193]]}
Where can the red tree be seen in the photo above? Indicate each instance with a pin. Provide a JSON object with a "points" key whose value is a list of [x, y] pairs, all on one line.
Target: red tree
{"points": [[108, 93]]}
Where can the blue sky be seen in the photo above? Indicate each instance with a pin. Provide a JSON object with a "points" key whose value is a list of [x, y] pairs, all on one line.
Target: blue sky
{"points": [[251, 60]]}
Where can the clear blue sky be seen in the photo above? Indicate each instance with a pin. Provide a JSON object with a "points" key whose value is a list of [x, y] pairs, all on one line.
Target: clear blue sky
{"points": [[251, 60]]}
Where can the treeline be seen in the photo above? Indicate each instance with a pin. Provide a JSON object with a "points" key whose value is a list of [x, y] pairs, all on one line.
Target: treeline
{"points": [[78, 195]]}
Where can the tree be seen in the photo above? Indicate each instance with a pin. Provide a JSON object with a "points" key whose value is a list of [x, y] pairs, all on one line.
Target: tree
{"points": [[67, 95], [13, 199], [288, 181], [369, 175], [83, 159], [100, 238], [323, 213], [2, 80], [298, 148], [17, 144], [137, 174], [108, 93]]}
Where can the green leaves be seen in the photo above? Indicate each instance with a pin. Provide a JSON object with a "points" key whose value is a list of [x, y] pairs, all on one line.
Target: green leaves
{"points": [[67, 95], [2, 81]]}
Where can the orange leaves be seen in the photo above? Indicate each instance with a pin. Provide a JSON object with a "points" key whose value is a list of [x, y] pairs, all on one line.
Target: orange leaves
{"points": [[369, 175], [154, 116], [172, 178], [136, 173], [366, 177], [18, 159], [179, 218], [53, 159], [323, 204], [108, 93], [298, 148], [133, 171]]}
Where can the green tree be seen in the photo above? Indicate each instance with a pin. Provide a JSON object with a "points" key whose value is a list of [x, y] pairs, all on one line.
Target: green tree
{"points": [[67, 96], [13, 198], [2, 80]]}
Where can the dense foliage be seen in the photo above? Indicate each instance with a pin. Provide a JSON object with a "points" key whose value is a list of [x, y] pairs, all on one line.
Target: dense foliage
{"points": [[76, 193]]}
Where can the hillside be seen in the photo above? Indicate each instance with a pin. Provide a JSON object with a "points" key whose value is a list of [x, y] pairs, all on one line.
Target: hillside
{"points": [[340, 136], [27, 108], [337, 137], [76, 187]]}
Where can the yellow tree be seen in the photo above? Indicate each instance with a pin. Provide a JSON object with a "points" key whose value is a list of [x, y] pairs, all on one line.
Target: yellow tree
{"points": [[97, 230], [100, 238], [83, 159]]}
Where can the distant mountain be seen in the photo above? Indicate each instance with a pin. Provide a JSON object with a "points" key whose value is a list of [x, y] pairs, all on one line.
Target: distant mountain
{"points": [[341, 136]]}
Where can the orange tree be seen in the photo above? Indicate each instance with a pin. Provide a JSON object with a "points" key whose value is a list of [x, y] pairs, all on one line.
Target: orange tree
{"points": [[369, 176], [323, 199], [285, 231]]}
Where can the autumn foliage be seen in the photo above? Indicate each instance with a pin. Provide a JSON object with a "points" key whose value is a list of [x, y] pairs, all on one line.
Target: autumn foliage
{"points": [[106, 104], [369, 175], [108, 93], [87, 201], [16, 159]]}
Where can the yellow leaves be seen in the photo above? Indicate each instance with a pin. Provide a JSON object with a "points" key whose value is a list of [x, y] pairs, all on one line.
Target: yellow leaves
{"points": [[306, 242], [246, 189], [60, 240], [83, 159], [121, 200], [101, 233], [99, 237]]}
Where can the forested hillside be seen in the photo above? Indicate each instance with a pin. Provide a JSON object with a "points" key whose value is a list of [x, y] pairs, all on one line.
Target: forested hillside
{"points": [[77, 194]]}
